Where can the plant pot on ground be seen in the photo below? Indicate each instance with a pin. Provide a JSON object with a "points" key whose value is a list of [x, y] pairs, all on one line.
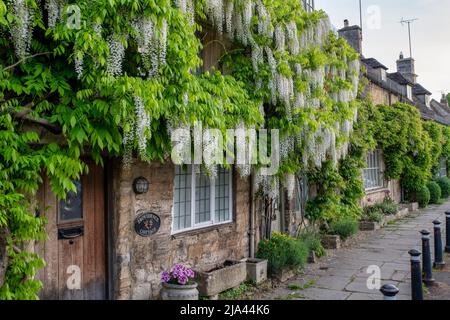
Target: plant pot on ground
{"points": [[256, 270], [178, 284], [179, 292], [223, 277]]}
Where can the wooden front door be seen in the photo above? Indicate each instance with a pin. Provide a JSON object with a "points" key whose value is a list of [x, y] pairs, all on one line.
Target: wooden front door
{"points": [[75, 249]]}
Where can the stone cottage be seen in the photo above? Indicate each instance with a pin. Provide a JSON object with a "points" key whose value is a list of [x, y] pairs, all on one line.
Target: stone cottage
{"points": [[389, 88]]}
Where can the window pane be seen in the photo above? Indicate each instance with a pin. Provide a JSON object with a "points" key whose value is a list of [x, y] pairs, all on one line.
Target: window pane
{"points": [[222, 196], [182, 198], [202, 198], [72, 207]]}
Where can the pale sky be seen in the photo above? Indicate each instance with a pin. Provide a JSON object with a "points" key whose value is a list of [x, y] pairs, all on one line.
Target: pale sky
{"points": [[384, 37]]}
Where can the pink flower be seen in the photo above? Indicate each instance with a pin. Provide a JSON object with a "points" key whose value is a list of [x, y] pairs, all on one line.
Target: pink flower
{"points": [[165, 277]]}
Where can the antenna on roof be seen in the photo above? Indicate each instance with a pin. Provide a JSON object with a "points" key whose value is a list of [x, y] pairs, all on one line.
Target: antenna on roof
{"points": [[408, 22], [360, 15]]}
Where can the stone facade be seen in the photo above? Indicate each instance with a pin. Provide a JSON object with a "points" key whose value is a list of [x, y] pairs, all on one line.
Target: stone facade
{"points": [[138, 261], [392, 188]]}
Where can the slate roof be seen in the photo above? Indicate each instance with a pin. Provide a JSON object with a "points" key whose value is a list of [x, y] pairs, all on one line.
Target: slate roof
{"points": [[418, 90], [399, 78], [373, 63], [396, 82], [442, 112], [427, 113]]}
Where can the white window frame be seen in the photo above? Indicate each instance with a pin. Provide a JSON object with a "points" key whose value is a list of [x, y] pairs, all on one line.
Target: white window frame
{"points": [[212, 221], [409, 92], [383, 74], [427, 101], [378, 169]]}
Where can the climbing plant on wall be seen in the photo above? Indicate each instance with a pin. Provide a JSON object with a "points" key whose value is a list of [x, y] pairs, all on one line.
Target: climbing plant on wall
{"points": [[406, 146], [116, 77]]}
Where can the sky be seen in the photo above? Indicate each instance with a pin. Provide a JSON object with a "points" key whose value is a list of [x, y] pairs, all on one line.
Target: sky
{"points": [[384, 37]]}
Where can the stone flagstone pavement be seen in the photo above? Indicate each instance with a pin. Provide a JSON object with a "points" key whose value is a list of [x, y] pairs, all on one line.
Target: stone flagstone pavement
{"points": [[343, 274]]}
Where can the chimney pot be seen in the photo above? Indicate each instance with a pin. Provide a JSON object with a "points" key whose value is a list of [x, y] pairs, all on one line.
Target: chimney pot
{"points": [[346, 23]]}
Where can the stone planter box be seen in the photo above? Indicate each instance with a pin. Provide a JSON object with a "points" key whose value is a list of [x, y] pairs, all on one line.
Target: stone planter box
{"points": [[179, 292], [226, 276], [369, 226], [413, 206], [331, 242], [256, 270]]}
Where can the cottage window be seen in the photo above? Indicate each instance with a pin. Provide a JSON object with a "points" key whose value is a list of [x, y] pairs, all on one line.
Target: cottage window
{"points": [[409, 92], [383, 74], [373, 176], [195, 210]]}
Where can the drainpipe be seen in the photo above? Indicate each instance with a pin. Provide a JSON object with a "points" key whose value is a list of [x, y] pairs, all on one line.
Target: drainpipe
{"points": [[252, 218]]}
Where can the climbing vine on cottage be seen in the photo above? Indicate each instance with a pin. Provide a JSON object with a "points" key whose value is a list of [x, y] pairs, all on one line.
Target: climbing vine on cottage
{"points": [[120, 77]]}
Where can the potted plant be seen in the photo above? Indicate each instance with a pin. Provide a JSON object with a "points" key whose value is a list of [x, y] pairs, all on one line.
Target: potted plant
{"points": [[178, 284]]}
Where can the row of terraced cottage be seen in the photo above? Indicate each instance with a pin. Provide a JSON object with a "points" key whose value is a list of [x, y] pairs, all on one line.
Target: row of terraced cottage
{"points": [[199, 223]]}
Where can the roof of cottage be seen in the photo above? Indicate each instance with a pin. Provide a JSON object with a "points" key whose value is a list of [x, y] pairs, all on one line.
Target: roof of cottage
{"points": [[420, 90], [374, 63], [427, 112], [442, 112], [399, 78]]}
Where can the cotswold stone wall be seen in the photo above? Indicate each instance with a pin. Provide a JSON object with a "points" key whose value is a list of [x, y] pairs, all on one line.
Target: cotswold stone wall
{"points": [[138, 262], [392, 190]]}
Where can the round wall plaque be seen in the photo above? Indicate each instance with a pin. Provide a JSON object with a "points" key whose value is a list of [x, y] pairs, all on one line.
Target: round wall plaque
{"points": [[147, 224]]}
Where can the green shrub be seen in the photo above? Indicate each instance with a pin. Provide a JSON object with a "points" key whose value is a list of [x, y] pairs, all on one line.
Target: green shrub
{"points": [[345, 227], [312, 241], [435, 192], [376, 212], [423, 197], [373, 215], [283, 251], [444, 183], [389, 207]]}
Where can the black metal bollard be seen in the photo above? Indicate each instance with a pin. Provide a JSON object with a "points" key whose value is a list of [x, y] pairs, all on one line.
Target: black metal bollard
{"points": [[389, 292], [438, 252], [447, 231], [416, 276], [427, 266]]}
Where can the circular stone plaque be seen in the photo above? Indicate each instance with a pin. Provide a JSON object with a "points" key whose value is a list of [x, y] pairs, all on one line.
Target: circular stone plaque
{"points": [[147, 224]]}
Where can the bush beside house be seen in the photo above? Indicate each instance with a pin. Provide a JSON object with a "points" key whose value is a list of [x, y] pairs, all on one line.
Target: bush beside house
{"points": [[435, 192]]}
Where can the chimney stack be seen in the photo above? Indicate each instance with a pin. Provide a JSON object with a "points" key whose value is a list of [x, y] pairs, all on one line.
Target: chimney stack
{"points": [[444, 99], [353, 35], [406, 66]]}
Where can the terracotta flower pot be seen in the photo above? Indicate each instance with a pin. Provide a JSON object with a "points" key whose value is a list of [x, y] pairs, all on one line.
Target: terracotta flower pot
{"points": [[179, 292]]}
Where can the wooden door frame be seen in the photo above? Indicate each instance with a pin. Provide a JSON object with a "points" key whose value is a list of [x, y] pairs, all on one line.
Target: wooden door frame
{"points": [[109, 163]]}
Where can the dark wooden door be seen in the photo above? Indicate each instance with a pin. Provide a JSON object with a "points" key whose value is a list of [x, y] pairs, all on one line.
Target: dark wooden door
{"points": [[75, 250]]}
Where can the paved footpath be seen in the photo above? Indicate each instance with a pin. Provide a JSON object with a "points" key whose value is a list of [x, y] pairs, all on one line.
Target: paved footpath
{"points": [[343, 274]]}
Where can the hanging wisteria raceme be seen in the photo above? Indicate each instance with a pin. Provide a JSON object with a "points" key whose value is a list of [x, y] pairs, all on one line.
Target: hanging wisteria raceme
{"points": [[143, 123], [128, 143], [79, 62], [55, 11], [289, 183], [215, 12], [116, 56], [152, 43], [22, 27], [321, 144]]}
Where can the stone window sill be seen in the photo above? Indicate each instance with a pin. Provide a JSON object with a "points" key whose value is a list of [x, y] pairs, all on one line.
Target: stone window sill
{"points": [[378, 190], [195, 232]]}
